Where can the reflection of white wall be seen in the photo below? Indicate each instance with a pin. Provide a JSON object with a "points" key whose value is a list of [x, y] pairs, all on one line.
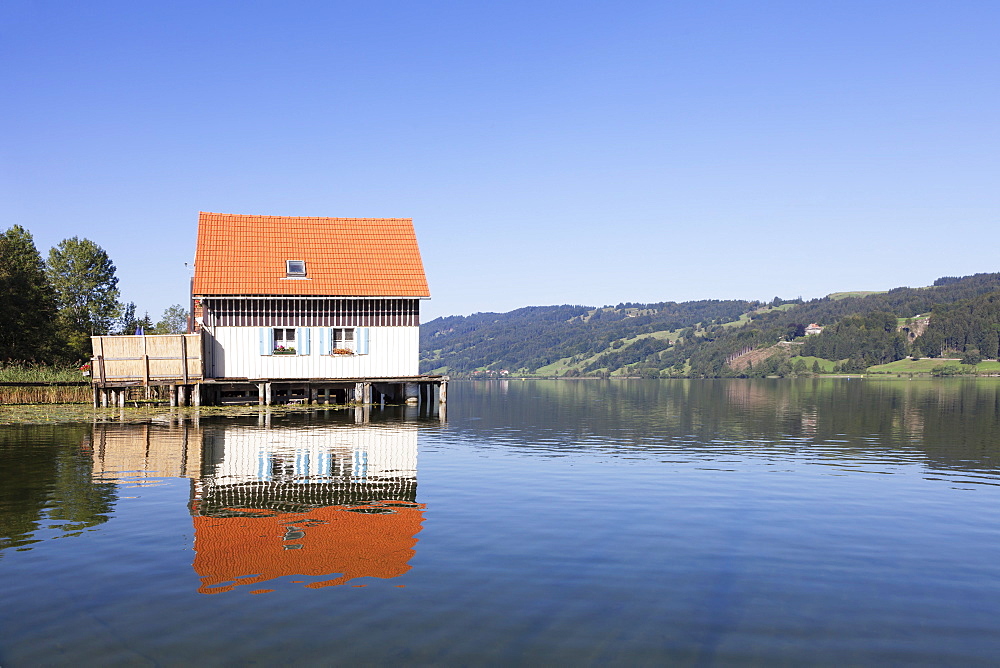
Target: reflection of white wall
{"points": [[234, 352], [316, 454]]}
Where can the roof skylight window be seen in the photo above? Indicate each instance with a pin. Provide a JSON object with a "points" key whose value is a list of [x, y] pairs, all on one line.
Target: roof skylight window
{"points": [[295, 268]]}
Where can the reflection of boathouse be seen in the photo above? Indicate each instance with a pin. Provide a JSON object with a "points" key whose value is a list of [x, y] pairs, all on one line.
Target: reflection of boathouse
{"points": [[315, 505], [292, 470]]}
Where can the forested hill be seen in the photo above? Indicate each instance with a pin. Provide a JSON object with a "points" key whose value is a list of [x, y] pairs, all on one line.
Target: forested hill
{"points": [[702, 338], [530, 338]]}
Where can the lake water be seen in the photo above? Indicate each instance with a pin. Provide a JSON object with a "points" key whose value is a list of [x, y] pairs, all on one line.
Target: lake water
{"points": [[746, 522]]}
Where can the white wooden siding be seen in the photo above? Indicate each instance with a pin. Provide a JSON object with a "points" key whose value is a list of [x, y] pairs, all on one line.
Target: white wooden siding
{"points": [[315, 455], [235, 352]]}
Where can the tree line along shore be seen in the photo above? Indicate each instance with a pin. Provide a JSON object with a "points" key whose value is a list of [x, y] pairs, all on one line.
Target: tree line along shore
{"points": [[53, 306]]}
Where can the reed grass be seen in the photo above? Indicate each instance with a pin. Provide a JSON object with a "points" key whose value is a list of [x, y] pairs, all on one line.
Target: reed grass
{"points": [[43, 373], [39, 373], [46, 395]]}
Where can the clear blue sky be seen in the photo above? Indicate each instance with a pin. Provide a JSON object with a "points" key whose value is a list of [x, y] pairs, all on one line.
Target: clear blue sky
{"points": [[548, 152]]}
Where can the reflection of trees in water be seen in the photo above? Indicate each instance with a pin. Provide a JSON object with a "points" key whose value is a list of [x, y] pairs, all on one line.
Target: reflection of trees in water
{"points": [[951, 423], [47, 483]]}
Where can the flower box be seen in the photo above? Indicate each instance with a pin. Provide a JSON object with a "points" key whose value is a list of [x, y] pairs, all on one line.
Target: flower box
{"points": [[341, 351]]}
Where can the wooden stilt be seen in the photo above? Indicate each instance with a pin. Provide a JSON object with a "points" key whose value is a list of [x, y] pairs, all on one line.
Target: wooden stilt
{"points": [[196, 394], [184, 358], [173, 396], [145, 363]]}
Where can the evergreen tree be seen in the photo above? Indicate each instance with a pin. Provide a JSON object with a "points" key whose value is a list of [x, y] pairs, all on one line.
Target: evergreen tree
{"points": [[146, 323], [127, 321], [971, 356], [991, 344], [28, 314]]}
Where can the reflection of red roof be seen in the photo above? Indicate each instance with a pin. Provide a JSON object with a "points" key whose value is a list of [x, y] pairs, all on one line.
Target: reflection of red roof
{"points": [[348, 257], [335, 542]]}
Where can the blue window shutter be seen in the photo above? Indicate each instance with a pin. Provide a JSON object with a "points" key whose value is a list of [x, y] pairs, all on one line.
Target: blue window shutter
{"points": [[302, 336], [362, 336], [324, 341], [266, 345]]}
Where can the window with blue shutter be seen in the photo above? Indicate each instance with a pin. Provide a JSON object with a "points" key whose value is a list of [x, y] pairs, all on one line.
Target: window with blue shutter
{"points": [[302, 335], [361, 339], [324, 341], [266, 344]]}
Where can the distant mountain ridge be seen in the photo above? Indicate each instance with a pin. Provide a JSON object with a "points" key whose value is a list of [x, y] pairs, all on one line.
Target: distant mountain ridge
{"points": [[697, 338]]}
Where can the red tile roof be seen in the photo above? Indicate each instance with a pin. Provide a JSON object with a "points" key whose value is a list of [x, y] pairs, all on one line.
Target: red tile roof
{"points": [[349, 257]]}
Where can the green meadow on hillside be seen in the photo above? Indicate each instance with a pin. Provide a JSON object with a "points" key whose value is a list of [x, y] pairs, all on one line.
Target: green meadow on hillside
{"points": [[930, 365]]}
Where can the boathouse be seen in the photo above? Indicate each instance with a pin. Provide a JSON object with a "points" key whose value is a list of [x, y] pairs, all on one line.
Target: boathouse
{"points": [[293, 309]]}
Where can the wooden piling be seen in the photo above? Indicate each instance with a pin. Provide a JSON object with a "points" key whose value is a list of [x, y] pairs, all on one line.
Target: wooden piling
{"points": [[184, 358]]}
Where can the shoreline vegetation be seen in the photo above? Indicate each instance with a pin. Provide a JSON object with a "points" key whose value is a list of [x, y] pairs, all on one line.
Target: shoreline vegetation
{"points": [[25, 384], [905, 368], [42, 413]]}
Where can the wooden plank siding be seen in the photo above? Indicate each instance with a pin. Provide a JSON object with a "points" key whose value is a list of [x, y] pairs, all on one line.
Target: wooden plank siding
{"points": [[243, 454], [149, 359], [235, 352], [140, 451]]}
